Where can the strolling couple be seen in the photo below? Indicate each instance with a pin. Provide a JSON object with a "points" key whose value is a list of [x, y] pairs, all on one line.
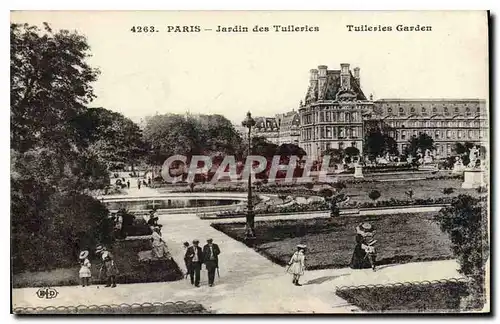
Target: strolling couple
{"points": [[195, 256]]}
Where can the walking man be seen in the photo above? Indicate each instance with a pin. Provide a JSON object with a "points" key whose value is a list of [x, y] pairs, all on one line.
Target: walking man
{"points": [[128, 184], [211, 253], [195, 254], [189, 264], [138, 183]]}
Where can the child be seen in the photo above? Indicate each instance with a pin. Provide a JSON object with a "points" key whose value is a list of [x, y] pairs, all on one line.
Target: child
{"points": [[85, 273], [296, 265]]}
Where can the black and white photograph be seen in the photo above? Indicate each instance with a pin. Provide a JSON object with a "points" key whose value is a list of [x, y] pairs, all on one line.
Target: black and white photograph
{"points": [[249, 162]]}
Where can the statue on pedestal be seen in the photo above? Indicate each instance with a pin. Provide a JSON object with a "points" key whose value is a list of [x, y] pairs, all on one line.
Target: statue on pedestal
{"points": [[428, 157], [473, 158]]}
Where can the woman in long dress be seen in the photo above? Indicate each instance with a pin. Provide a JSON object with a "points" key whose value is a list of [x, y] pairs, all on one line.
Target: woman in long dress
{"points": [[108, 267], [364, 252], [296, 265], [158, 243]]}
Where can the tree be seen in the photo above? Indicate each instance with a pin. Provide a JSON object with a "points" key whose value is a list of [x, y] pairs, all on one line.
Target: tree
{"points": [[421, 143], [288, 150], [338, 186], [52, 170], [448, 191], [326, 193], [466, 223], [378, 143], [351, 151], [50, 85], [336, 155], [188, 135], [374, 195], [112, 137]]}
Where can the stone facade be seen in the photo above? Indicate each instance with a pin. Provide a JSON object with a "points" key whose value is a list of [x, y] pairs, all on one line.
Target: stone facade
{"points": [[333, 111], [289, 128], [336, 114], [447, 121]]}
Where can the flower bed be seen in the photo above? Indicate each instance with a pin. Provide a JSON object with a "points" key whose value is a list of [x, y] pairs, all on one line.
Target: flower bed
{"points": [[409, 297], [127, 262], [323, 206]]}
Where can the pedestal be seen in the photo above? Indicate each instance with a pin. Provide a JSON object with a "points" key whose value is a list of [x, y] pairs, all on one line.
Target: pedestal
{"points": [[358, 171], [473, 179]]}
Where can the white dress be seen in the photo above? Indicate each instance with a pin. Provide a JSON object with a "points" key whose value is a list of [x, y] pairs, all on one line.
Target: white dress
{"points": [[297, 263], [85, 269]]}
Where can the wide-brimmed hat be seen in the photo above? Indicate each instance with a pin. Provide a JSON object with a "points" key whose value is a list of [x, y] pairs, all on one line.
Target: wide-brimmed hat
{"points": [[99, 249], [83, 254], [301, 246], [210, 240], [196, 241], [364, 228]]}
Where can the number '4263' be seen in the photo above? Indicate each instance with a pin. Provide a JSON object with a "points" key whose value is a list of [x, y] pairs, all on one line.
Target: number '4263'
{"points": [[143, 29]]}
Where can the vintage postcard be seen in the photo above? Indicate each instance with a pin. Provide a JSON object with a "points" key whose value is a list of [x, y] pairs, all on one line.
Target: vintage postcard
{"points": [[250, 162]]}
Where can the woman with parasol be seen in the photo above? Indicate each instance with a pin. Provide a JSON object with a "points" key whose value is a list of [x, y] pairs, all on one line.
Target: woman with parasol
{"points": [[364, 252]]}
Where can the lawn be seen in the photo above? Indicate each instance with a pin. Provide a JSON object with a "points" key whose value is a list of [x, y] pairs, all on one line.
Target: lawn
{"points": [[401, 238], [131, 270], [423, 297]]}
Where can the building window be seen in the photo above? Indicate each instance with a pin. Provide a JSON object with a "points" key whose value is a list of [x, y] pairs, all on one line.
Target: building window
{"points": [[412, 109], [321, 116], [438, 124], [327, 146], [467, 111], [436, 135], [478, 110], [415, 133], [353, 144], [328, 132], [434, 110], [423, 109], [347, 117], [459, 134], [341, 145], [389, 110], [401, 111], [470, 134], [403, 135], [456, 109], [448, 134], [446, 111]]}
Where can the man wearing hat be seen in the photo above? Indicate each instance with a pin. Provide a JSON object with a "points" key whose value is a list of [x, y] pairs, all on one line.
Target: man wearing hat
{"points": [[364, 251], [211, 253], [195, 254], [108, 267]]}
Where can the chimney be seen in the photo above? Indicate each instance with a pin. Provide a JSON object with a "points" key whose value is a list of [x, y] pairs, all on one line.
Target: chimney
{"points": [[356, 75], [321, 81], [345, 76]]}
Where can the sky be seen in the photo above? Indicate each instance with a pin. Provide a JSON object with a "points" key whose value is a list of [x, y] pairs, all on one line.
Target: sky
{"points": [[268, 73]]}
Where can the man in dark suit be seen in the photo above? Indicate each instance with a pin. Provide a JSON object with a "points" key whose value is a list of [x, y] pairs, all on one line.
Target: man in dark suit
{"points": [[211, 253], [195, 254]]}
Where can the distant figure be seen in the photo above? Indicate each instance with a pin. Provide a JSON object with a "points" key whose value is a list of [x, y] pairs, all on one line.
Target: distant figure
{"points": [[211, 253], [108, 267], [138, 183], [296, 265], [128, 184], [189, 263], [195, 254], [364, 252], [85, 272], [149, 181]]}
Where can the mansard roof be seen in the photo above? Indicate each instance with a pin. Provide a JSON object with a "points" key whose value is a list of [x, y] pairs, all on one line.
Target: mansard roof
{"points": [[332, 87]]}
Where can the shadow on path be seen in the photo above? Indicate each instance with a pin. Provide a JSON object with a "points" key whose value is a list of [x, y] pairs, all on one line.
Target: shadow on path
{"points": [[321, 280]]}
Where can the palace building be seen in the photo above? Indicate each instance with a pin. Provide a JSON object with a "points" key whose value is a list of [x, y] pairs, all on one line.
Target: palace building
{"points": [[335, 114]]}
